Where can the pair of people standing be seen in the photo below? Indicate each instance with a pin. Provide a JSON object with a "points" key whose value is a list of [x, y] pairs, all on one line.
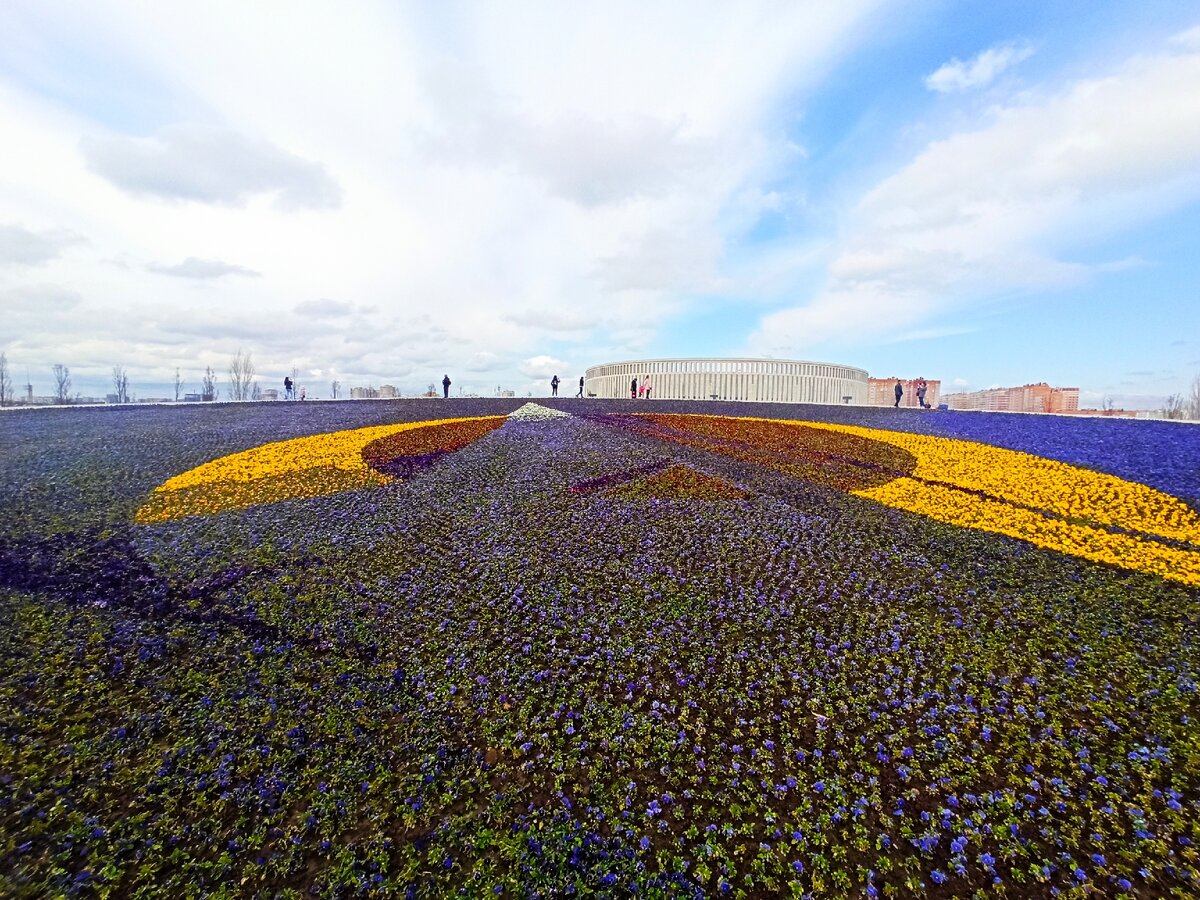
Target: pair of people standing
{"points": [[922, 388], [639, 390]]}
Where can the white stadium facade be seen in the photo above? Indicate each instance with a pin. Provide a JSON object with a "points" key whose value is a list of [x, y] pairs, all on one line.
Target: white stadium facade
{"points": [[762, 380]]}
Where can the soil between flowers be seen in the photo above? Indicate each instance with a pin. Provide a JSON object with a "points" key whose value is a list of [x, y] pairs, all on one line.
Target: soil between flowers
{"points": [[479, 681]]}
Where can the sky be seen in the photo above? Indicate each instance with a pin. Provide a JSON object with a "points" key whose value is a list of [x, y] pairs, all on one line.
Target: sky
{"points": [[383, 193]]}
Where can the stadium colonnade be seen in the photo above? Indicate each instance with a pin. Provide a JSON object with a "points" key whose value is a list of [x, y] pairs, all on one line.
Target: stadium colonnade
{"points": [[763, 380]]}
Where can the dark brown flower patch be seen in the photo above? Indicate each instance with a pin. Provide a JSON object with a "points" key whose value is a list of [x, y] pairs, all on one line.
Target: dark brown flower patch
{"points": [[407, 452], [678, 482]]}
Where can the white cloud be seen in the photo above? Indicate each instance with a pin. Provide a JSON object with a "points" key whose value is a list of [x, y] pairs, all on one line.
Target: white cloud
{"points": [[514, 197], [985, 212], [545, 366], [36, 300], [551, 320], [201, 269], [325, 308], [483, 361], [1189, 39], [210, 165], [957, 75], [22, 247]]}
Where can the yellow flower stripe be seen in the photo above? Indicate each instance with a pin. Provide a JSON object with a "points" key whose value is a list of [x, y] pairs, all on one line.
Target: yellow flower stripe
{"points": [[282, 470], [1023, 487], [1041, 483], [955, 507]]}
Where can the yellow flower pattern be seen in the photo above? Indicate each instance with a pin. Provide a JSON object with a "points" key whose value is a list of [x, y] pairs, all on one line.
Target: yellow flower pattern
{"points": [[284, 470], [1046, 502]]}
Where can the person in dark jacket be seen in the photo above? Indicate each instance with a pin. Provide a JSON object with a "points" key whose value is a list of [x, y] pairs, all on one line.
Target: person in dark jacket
{"points": [[899, 393], [554, 386], [580, 394], [446, 387], [633, 389]]}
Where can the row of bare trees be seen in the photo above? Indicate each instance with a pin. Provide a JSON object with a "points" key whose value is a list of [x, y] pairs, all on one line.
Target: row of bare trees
{"points": [[242, 385], [62, 383], [6, 385], [1180, 406]]}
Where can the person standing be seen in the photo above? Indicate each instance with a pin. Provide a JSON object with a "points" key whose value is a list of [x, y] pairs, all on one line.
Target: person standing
{"points": [[922, 387], [580, 394], [554, 386], [633, 389], [899, 393], [445, 387], [287, 387]]}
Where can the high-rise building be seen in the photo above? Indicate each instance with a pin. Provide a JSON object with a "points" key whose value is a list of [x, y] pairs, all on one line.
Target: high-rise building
{"points": [[1029, 398]]}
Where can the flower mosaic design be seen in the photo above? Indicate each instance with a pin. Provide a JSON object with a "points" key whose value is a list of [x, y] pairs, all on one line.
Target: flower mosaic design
{"points": [[1048, 503], [311, 466], [602, 654]]}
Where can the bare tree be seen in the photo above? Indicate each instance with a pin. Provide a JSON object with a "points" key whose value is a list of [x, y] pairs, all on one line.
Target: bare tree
{"points": [[241, 375], [1107, 404], [208, 390], [62, 384], [256, 392], [1173, 407], [335, 389], [6, 385], [1192, 407], [178, 384], [120, 379]]}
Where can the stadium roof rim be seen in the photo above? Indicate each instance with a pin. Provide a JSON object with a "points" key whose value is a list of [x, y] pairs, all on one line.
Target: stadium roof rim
{"points": [[769, 359]]}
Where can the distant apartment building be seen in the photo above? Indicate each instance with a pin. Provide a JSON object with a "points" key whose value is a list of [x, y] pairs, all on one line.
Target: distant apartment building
{"points": [[388, 392], [882, 391], [367, 393], [1028, 398]]}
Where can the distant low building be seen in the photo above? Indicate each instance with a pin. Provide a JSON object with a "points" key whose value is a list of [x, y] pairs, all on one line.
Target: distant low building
{"points": [[1029, 398], [388, 392], [882, 391], [367, 393], [270, 394], [193, 398]]}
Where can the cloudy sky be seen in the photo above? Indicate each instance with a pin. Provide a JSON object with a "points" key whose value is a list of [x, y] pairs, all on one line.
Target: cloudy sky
{"points": [[985, 193]]}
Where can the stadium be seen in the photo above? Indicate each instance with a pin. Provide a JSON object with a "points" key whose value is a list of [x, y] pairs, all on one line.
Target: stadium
{"points": [[762, 380]]}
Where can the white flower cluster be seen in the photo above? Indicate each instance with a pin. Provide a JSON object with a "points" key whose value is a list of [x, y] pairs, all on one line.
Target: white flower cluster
{"points": [[536, 411]]}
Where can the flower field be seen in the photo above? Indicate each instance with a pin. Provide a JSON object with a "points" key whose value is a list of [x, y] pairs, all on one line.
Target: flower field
{"points": [[433, 649]]}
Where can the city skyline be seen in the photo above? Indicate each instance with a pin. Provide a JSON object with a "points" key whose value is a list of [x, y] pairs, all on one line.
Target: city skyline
{"points": [[984, 196]]}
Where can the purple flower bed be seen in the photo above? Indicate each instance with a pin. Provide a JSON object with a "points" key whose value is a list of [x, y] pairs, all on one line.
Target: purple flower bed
{"points": [[477, 681]]}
